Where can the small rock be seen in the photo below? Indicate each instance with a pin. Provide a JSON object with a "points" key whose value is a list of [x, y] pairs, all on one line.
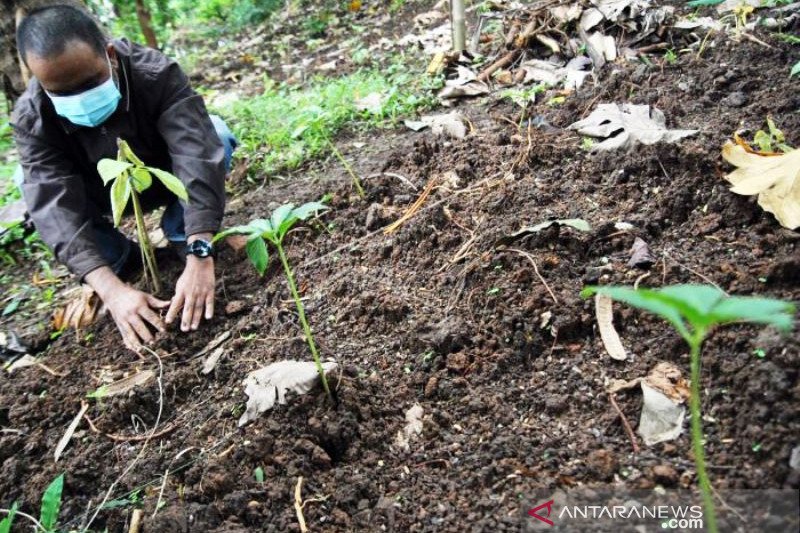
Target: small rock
{"points": [[735, 99], [457, 361], [794, 460], [235, 307], [603, 463], [430, 386], [665, 475], [375, 217]]}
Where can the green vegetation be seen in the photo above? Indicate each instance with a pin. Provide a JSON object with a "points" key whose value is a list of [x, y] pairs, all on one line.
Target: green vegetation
{"points": [[48, 517], [274, 230], [694, 310], [285, 126], [131, 177], [771, 140]]}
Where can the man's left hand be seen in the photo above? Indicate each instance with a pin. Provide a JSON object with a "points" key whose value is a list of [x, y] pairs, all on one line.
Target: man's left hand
{"points": [[194, 293]]}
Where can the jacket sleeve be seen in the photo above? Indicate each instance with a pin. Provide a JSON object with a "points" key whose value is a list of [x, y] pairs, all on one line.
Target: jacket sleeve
{"points": [[194, 147], [55, 195]]}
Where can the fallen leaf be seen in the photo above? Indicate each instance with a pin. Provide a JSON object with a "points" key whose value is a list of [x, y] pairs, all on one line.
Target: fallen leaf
{"points": [[662, 417], [24, 361], [605, 323], [640, 255], [64, 441], [270, 384], [127, 384], [451, 124], [668, 379], [775, 179], [465, 84], [412, 429], [625, 125], [216, 341], [211, 361], [80, 312], [11, 346]]}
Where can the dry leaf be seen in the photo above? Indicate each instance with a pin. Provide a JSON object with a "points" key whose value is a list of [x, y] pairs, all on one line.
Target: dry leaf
{"points": [[662, 418], [775, 179], [668, 379], [452, 124], [640, 255], [78, 313], [412, 429], [64, 441], [127, 384], [218, 340], [605, 323], [625, 125], [269, 384]]}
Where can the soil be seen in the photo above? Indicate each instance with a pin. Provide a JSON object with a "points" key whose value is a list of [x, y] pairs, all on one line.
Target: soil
{"points": [[505, 362]]}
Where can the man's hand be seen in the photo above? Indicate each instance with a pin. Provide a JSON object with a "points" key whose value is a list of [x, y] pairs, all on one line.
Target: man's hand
{"points": [[131, 309], [194, 291]]}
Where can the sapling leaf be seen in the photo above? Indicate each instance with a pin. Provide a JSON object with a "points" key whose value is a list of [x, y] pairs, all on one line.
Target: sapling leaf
{"points": [[173, 184], [302, 212], [110, 169], [693, 301], [236, 230], [128, 154], [263, 227], [257, 252], [141, 179], [120, 194], [280, 215], [51, 502], [760, 310], [643, 299], [8, 521]]}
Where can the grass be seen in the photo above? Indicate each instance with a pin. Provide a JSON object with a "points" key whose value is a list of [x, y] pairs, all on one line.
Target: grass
{"points": [[285, 126]]}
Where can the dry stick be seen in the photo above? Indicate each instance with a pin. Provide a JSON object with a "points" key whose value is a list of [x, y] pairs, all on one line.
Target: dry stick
{"points": [[348, 168], [625, 423], [497, 65], [411, 211], [530, 258], [161, 493], [144, 446], [696, 273], [131, 438], [298, 505], [136, 521]]}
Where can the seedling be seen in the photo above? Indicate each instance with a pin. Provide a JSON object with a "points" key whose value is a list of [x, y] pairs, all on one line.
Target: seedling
{"points": [[273, 230], [694, 310], [771, 141], [48, 517], [670, 56], [760, 353], [131, 177]]}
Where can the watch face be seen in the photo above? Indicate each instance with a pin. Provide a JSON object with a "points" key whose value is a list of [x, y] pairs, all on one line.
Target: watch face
{"points": [[200, 248]]}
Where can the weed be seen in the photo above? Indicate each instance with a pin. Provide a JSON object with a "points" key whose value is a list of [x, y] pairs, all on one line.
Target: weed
{"points": [[48, 516], [771, 140], [694, 310], [760, 353], [273, 230], [671, 57], [131, 177]]}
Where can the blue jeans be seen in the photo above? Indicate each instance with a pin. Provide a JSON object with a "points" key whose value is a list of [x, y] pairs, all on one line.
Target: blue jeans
{"points": [[115, 247]]}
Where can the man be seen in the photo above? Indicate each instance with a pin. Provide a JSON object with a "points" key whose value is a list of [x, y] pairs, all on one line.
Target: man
{"points": [[85, 93]]}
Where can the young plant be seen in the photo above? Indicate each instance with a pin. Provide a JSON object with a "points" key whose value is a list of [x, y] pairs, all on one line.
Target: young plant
{"points": [[693, 310], [48, 516], [273, 230], [771, 141], [131, 177]]}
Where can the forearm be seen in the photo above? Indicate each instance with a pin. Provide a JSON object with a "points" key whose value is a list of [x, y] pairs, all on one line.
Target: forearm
{"points": [[206, 236]]}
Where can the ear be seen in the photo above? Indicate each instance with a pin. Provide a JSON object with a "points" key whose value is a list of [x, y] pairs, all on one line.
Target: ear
{"points": [[112, 55]]}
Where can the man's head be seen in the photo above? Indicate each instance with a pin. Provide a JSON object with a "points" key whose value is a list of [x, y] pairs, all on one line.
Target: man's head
{"points": [[64, 49]]}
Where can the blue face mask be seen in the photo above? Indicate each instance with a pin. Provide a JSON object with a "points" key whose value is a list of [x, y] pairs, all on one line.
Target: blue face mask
{"points": [[89, 108]]}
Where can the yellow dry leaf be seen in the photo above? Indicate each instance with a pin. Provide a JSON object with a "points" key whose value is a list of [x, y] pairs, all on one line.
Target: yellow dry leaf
{"points": [[354, 5], [78, 313], [774, 178]]}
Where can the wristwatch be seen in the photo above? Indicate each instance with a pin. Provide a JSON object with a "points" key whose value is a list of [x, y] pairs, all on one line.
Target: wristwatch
{"points": [[200, 248]]}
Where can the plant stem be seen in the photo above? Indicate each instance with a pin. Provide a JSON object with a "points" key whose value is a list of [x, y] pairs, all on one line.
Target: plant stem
{"points": [[301, 311], [697, 434], [348, 168], [148, 257]]}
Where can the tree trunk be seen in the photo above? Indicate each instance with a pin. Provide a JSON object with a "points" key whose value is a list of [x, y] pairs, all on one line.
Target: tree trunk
{"points": [[146, 23], [12, 78], [459, 25]]}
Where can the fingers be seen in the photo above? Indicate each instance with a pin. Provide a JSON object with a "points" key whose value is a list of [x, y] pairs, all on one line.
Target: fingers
{"points": [[129, 337], [199, 304], [155, 302], [152, 317], [141, 329], [188, 313], [210, 306], [175, 306]]}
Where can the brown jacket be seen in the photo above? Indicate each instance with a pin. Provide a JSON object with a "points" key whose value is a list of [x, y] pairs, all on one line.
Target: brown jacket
{"points": [[167, 126]]}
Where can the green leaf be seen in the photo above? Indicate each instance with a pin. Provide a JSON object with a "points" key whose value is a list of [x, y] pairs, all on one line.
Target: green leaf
{"points": [[235, 230], [257, 252], [172, 183], [258, 473], [8, 521], [120, 193], [110, 169], [760, 310], [141, 179], [51, 502], [263, 226], [795, 70], [128, 154], [694, 301], [280, 215], [645, 299], [11, 307], [307, 209], [702, 3]]}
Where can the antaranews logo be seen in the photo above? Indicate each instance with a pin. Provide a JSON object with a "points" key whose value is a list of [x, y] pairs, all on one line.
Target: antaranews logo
{"points": [[535, 512]]}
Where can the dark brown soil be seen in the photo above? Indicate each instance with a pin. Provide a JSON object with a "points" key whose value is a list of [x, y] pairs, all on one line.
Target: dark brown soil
{"points": [[509, 405]]}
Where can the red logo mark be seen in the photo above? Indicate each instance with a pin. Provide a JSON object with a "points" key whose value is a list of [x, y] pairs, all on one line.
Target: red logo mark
{"points": [[549, 506]]}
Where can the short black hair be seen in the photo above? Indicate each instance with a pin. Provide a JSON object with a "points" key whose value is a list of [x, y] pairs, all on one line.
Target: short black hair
{"points": [[45, 32]]}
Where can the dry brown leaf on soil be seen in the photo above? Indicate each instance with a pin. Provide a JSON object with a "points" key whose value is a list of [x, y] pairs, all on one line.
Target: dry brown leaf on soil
{"points": [[78, 313], [605, 323], [127, 384], [774, 178], [665, 391], [668, 379], [64, 441]]}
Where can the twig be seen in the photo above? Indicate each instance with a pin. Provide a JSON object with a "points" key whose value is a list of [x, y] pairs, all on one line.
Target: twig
{"points": [[497, 65], [136, 521], [161, 492], [756, 40], [411, 211], [129, 438], [144, 446], [298, 505], [625, 423], [696, 273], [639, 280], [348, 168], [529, 257]]}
